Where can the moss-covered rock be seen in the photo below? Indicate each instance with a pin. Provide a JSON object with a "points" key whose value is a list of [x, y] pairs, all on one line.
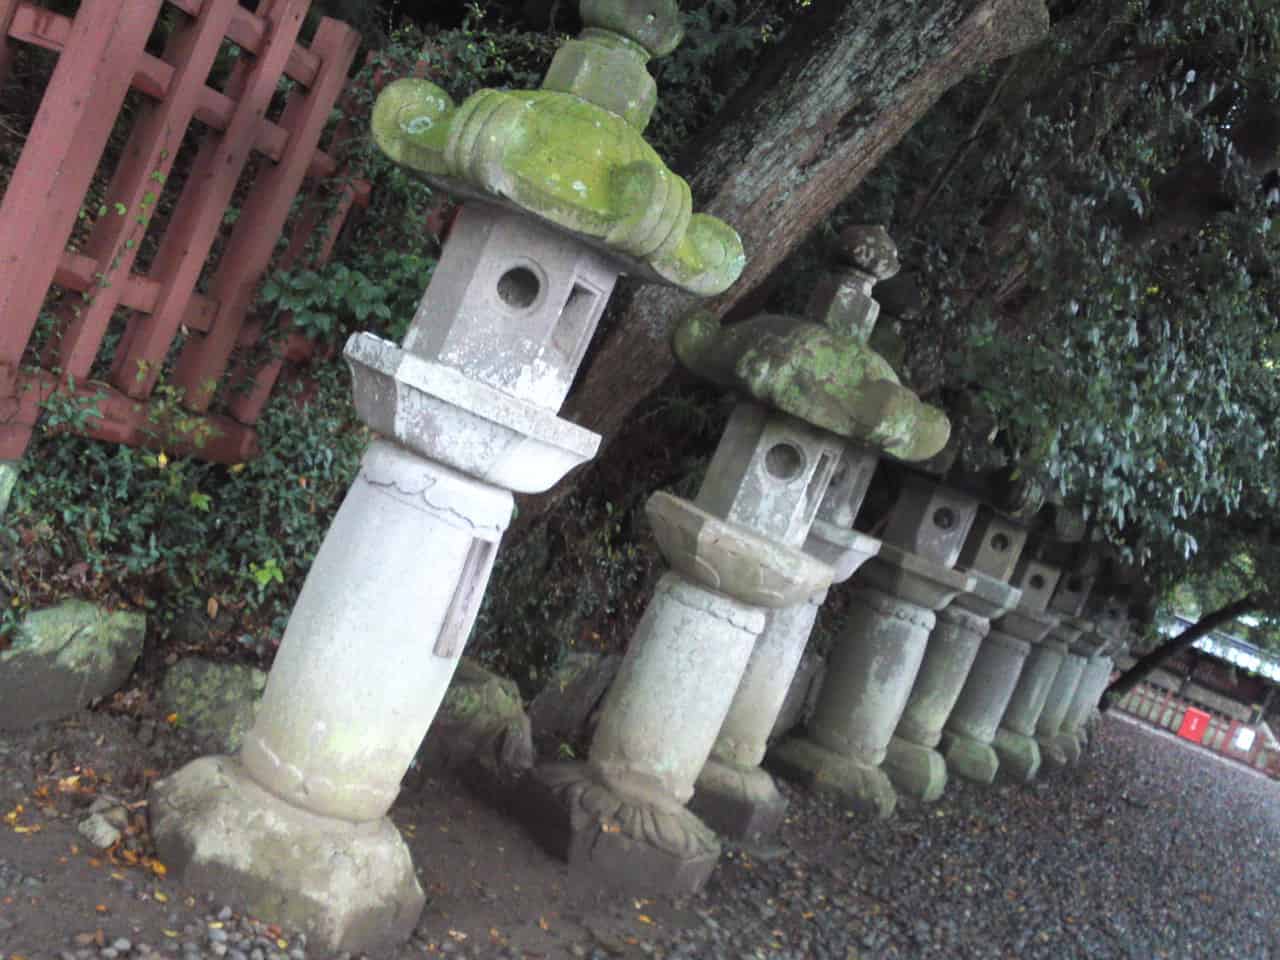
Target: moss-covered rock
{"points": [[215, 702], [64, 658], [480, 731]]}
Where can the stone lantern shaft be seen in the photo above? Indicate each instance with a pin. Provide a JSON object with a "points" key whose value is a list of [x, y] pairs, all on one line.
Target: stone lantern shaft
{"points": [[995, 674]]}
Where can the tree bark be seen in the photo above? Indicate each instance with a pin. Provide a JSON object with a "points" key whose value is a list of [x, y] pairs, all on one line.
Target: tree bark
{"points": [[842, 90], [1205, 625]]}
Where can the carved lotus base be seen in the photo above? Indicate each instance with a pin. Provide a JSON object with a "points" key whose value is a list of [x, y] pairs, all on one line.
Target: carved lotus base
{"points": [[638, 846]]}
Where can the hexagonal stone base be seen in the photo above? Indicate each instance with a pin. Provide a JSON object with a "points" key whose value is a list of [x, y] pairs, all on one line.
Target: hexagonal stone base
{"points": [[1051, 752], [628, 844], [348, 886], [1019, 756], [741, 803], [1069, 745], [864, 786], [969, 758], [915, 770]]}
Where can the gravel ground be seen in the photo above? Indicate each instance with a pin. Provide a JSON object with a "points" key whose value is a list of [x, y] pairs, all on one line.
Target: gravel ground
{"points": [[1150, 848]]}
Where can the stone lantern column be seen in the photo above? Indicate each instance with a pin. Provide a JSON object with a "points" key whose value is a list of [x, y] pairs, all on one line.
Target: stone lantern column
{"points": [[1015, 741], [736, 555], [976, 717], [1051, 727], [878, 654], [997, 668], [1093, 681], [734, 796], [563, 196], [989, 555]]}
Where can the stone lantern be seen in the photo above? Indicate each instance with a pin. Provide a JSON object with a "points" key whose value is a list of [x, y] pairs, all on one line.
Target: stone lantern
{"points": [[734, 795], [996, 671], [1088, 652], [736, 554], [563, 195], [1019, 749], [990, 553], [874, 664]]}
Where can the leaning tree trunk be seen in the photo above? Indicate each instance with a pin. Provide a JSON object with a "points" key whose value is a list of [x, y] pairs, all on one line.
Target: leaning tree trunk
{"points": [[844, 88], [1205, 625]]}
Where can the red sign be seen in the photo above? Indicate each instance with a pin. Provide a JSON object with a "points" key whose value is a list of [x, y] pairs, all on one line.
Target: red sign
{"points": [[1195, 723]]}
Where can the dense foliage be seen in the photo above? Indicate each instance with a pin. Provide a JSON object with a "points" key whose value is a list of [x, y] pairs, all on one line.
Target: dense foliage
{"points": [[1091, 230]]}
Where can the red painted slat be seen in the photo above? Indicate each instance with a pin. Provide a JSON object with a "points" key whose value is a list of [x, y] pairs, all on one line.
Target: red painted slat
{"points": [[248, 30], [61, 153], [204, 360], [124, 420], [199, 211], [49, 30], [76, 272], [137, 184]]}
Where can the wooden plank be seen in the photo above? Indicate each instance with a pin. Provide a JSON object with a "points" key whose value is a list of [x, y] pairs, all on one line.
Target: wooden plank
{"points": [[62, 151], [153, 76], [252, 387], [76, 272], [204, 359], [198, 215], [137, 184], [124, 420], [248, 30]]}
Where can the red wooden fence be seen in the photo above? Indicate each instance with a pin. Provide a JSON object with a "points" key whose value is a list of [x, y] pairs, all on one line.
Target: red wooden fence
{"points": [[101, 55]]}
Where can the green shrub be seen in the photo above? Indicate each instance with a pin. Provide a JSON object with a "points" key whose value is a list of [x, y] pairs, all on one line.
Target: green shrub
{"points": [[170, 533]]}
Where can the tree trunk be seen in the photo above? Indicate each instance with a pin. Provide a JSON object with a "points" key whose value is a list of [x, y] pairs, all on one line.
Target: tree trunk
{"points": [[845, 87], [1205, 625]]}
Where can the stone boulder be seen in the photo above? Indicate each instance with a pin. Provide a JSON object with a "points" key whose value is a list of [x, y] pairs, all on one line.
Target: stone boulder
{"points": [[64, 658], [481, 732], [564, 710], [215, 702]]}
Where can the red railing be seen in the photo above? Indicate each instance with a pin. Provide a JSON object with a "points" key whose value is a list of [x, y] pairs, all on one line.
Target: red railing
{"points": [[101, 56], [1162, 708]]}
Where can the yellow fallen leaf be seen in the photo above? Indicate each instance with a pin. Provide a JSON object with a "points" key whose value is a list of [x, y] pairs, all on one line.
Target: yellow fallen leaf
{"points": [[171, 719], [542, 922], [162, 460], [643, 918], [171, 934], [161, 896], [236, 468], [211, 607]]}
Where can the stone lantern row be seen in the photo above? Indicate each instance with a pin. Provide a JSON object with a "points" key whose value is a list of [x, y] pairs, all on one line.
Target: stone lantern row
{"points": [[962, 653]]}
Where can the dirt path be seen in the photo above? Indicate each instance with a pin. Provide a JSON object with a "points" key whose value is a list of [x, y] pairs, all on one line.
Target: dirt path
{"points": [[1151, 848]]}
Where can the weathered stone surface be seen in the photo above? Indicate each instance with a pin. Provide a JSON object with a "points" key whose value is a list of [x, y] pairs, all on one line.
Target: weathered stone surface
{"points": [[64, 658], [916, 771], [802, 695], [574, 163], [817, 374], [348, 886], [215, 702], [480, 728], [565, 709], [739, 802], [1019, 756], [730, 558], [627, 837], [865, 787], [375, 635]]}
